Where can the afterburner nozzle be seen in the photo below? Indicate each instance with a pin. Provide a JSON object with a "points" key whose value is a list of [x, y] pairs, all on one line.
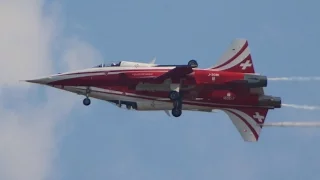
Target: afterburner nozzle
{"points": [[255, 81], [270, 101]]}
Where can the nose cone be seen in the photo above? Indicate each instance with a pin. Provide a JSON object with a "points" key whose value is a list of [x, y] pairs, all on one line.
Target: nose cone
{"points": [[43, 81]]}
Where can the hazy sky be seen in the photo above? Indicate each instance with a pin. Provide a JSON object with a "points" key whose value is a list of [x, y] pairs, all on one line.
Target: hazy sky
{"points": [[47, 134]]}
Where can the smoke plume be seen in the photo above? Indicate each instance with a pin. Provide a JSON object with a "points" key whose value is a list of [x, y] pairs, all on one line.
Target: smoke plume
{"points": [[305, 107], [295, 79]]}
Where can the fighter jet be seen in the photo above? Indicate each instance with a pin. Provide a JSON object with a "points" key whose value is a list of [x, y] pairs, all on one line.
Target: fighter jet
{"points": [[231, 85]]}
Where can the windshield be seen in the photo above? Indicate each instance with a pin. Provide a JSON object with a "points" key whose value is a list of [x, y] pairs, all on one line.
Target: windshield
{"points": [[108, 65]]}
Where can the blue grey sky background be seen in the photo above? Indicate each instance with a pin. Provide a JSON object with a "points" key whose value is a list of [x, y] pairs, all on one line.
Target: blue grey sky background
{"points": [[48, 134]]}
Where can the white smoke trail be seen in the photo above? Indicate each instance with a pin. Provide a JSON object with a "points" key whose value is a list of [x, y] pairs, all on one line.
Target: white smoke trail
{"points": [[305, 107], [295, 79], [291, 124]]}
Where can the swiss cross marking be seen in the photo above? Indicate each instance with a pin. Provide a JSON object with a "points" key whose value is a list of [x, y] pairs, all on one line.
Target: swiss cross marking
{"points": [[245, 65], [259, 117]]}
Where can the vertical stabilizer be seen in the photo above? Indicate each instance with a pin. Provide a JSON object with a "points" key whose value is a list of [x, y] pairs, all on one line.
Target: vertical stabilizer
{"points": [[237, 58]]}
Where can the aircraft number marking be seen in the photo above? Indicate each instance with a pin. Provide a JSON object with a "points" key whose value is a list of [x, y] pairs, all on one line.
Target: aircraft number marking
{"points": [[229, 97], [213, 74]]}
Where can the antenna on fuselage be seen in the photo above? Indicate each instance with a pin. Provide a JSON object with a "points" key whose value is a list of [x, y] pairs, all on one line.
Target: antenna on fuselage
{"points": [[153, 60]]}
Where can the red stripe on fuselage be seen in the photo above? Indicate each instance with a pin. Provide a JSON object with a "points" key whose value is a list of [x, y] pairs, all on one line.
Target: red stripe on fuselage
{"points": [[195, 103]]}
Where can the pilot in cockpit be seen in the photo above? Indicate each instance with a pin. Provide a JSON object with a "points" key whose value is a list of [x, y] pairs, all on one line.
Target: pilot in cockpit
{"points": [[108, 65]]}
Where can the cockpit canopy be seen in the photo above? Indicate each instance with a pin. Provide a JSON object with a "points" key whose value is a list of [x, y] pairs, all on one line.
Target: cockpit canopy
{"points": [[108, 64], [125, 64]]}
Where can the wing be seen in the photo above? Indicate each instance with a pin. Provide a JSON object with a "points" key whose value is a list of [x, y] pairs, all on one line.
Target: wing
{"points": [[175, 73], [247, 121], [237, 58]]}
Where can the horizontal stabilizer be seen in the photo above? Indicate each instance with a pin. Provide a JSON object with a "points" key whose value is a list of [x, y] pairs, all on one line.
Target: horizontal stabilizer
{"points": [[247, 121]]}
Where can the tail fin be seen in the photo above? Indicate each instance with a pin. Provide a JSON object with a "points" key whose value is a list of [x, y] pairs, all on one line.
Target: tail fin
{"points": [[237, 58], [247, 121]]}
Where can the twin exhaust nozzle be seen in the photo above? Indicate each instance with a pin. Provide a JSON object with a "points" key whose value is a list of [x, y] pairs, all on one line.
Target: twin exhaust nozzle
{"points": [[271, 101], [256, 81]]}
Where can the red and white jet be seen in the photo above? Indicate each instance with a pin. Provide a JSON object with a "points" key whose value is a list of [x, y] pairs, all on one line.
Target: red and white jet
{"points": [[231, 86]]}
